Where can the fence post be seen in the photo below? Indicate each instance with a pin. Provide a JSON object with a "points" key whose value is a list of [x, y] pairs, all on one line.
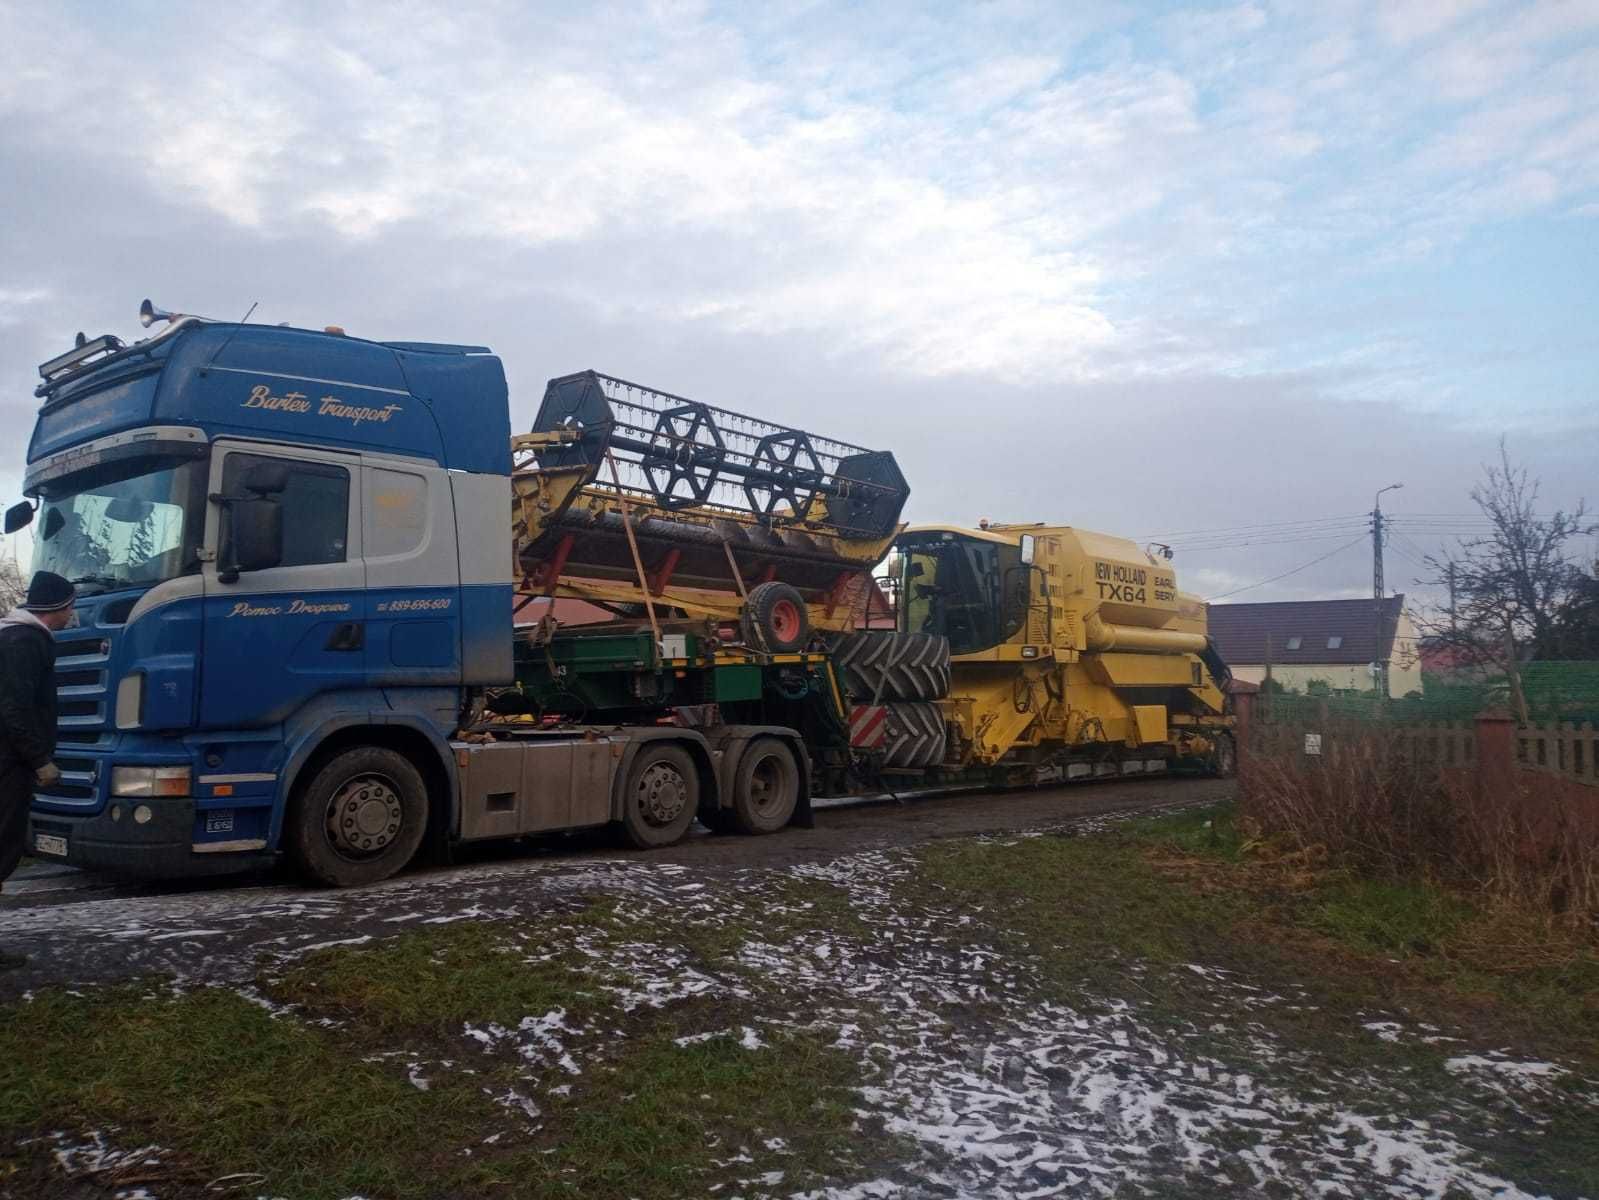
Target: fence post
{"points": [[1496, 756], [1243, 710]]}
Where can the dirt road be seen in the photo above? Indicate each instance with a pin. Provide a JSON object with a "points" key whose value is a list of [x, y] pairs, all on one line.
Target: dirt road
{"points": [[77, 927]]}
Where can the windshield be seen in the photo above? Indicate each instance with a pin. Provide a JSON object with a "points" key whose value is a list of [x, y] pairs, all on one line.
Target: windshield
{"points": [[129, 523], [973, 592]]}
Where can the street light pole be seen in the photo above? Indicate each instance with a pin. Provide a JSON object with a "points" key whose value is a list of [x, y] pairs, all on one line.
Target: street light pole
{"points": [[1377, 590]]}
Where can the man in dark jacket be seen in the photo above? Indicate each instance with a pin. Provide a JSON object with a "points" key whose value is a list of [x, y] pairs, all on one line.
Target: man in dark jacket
{"points": [[28, 711]]}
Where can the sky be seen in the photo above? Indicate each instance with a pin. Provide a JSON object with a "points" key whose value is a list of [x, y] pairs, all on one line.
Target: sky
{"points": [[1209, 275]]}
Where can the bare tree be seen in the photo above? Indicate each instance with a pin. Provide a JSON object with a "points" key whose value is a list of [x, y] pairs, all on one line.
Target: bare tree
{"points": [[13, 587], [1519, 590]]}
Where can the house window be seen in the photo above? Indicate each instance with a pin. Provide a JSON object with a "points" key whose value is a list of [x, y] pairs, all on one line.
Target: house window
{"points": [[1335, 642], [1295, 642]]}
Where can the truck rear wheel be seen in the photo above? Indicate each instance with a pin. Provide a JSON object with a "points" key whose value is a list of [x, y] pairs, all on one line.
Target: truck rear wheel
{"points": [[360, 819], [660, 797], [765, 787]]}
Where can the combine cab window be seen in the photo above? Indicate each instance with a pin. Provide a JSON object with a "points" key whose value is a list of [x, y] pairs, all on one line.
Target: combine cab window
{"points": [[973, 592]]}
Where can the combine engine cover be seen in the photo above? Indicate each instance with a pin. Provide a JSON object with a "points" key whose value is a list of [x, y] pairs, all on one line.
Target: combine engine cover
{"points": [[718, 502]]}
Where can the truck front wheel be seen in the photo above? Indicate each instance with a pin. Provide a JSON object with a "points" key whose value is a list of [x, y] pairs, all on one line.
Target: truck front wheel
{"points": [[360, 819], [660, 797]]}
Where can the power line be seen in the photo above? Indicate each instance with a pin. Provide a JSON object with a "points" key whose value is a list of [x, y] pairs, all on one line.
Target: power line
{"points": [[1293, 571], [1199, 547], [1258, 526]]}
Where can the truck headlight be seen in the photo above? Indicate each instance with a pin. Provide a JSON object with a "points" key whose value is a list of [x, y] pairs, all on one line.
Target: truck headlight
{"points": [[130, 700], [149, 781]]}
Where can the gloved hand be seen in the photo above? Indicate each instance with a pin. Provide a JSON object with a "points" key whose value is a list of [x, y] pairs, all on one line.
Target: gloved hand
{"points": [[47, 774]]}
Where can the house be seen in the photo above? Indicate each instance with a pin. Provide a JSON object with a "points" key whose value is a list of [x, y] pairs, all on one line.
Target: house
{"points": [[1334, 641]]}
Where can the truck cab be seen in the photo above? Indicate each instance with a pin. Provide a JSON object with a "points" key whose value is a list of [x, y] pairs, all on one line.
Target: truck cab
{"points": [[287, 544]]}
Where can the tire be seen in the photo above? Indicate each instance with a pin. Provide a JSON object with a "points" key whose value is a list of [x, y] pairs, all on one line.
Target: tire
{"points": [[660, 796], [766, 787], [1224, 759], [360, 818], [896, 666], [775, 619], [916, 736]]}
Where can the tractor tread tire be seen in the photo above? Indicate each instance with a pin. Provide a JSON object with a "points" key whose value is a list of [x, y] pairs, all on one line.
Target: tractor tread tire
{"points": [[916, 736], [893, 666]]}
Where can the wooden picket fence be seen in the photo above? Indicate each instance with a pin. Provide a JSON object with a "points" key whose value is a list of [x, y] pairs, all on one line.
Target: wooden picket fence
{"points": [[1564, 749]]}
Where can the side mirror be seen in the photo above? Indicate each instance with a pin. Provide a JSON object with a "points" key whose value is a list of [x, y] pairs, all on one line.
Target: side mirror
{"points": [[257, 534], [19, 516], [267, 479]]}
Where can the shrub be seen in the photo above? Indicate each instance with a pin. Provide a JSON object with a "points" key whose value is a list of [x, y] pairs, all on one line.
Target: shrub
{"points": [[1372, 803]]}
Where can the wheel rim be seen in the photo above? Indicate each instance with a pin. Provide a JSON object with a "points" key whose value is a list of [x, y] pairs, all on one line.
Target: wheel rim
{"points": [[661, 794], [769, 785], [364, 816], [786, 620]]}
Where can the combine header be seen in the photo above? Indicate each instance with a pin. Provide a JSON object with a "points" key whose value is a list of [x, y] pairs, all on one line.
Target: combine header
{"points": [[625, 495]]}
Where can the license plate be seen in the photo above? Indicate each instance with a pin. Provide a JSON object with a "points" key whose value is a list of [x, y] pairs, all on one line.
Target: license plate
{"points": [[49, 843], [217, 822]]}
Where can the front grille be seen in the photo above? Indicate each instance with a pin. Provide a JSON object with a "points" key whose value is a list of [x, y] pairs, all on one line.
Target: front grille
{"points": [[81, 683]]}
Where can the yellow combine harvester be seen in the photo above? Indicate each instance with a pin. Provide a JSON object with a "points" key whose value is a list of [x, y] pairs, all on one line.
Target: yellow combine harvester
{"points": [[1071, 652]]}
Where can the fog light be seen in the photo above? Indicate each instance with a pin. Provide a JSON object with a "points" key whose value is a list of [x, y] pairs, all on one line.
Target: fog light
{"points": [[116, 812], [142, 814]]}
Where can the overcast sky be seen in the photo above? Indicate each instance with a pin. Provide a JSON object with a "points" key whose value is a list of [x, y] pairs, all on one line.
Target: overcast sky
{"points": [[1144, 268]]}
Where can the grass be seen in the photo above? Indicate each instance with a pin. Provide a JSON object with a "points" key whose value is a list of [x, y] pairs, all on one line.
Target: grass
{"points": [[1123, 914], [216, 1079], [430, 983], [318, 1102]]}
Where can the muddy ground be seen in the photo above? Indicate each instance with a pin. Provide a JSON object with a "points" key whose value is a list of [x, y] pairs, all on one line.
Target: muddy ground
{"points": [[78, 927]]}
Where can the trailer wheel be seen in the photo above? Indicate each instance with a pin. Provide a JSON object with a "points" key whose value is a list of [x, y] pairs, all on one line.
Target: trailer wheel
{"points": [[660, 797], [775, 619], [360, 819], [766, 787]]}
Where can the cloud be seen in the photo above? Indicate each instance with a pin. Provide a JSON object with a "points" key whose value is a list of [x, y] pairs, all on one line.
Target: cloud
{"points": [[1070, 262]]}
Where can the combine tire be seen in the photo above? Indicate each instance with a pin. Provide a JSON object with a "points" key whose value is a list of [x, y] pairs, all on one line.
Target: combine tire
{"points": [[893, 666], [916, 736], [766, 787], [775, 619]]}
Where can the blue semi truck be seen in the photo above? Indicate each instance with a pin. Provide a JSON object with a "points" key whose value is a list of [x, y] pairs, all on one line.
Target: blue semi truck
{"points": [[295, 563]]}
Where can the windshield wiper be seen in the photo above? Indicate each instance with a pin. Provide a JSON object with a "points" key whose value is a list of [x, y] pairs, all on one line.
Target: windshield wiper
{"points": [[106, 582]]}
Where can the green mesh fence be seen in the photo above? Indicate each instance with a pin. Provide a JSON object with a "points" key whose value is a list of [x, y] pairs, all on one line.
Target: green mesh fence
{"points": [[1554, 691]]}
